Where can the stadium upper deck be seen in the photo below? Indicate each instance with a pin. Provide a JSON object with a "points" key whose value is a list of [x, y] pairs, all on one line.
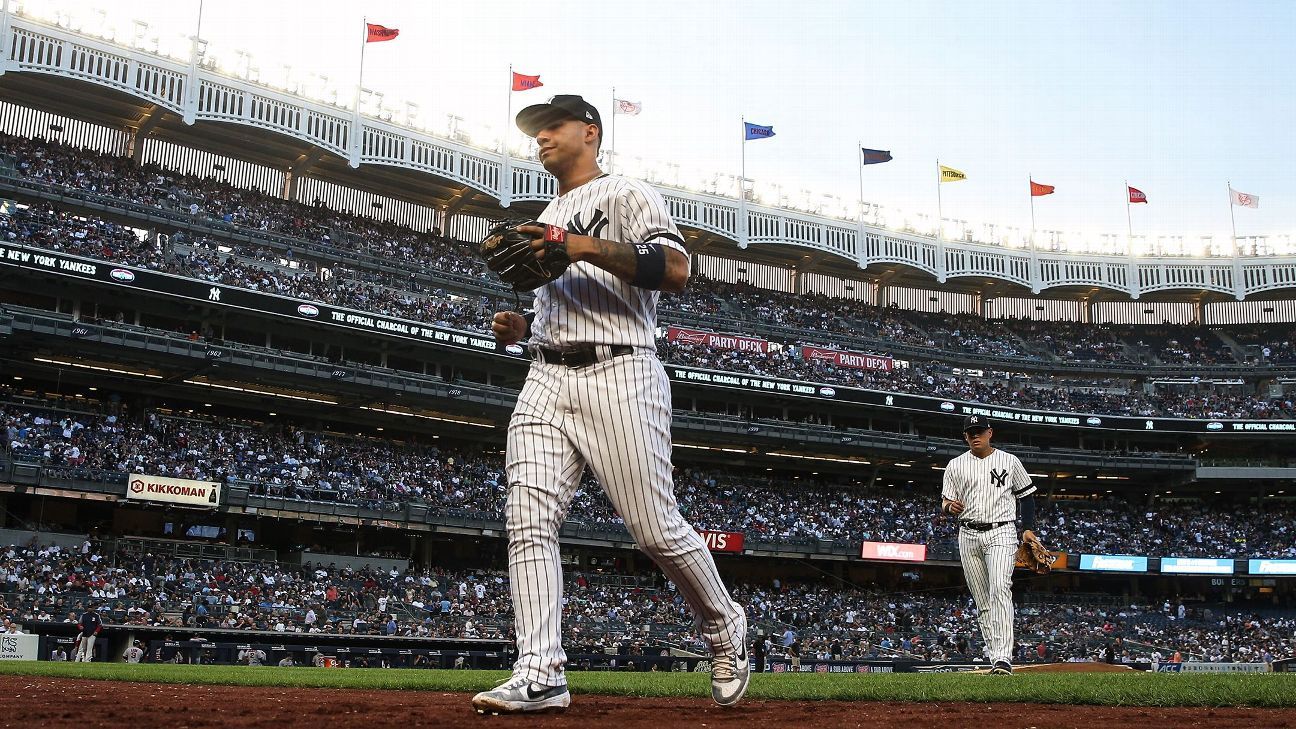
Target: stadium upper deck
{"points": [[151, 97]]}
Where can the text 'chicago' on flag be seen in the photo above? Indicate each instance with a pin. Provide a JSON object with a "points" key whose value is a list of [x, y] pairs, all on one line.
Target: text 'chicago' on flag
{"points": [[873, 156], [949, 174], [756, 131], [522, 82], [1243, 199], [1136, 195], [1038, 188], [378, 33], [629, 108]]}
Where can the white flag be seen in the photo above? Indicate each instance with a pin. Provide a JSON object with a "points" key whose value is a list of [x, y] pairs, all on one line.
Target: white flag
{"points": [[629, 108], [1242, 199]]}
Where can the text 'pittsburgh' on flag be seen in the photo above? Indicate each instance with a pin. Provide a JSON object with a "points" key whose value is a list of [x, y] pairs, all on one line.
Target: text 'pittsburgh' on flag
{"points": [[949, 174]]}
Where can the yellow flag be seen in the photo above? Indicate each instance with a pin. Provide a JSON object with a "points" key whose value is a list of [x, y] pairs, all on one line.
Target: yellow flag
{"points": [[949, 174]]}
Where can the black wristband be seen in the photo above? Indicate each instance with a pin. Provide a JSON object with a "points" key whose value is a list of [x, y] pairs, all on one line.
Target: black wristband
{"points": [[529, 317], [650, 266]]}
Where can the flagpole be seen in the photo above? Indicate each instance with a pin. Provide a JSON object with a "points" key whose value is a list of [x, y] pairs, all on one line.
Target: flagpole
{"points": [[357, 129], [1030, 181], [612, 159], [1232, 217], [940, 215], [859, 152], [1129, 222], [742, 190], [506, 184]]}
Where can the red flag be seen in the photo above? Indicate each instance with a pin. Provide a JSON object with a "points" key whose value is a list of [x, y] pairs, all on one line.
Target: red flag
{"points": [[378, 34], [522, 82], [1038, 189], [1136, 195]]}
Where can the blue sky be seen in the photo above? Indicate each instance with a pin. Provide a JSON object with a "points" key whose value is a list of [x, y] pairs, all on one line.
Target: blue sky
{"points": [[1176, 97]]}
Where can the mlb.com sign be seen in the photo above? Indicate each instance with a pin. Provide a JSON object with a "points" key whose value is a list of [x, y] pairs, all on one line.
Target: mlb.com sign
{"points": [[181, 491], [895, 552]]}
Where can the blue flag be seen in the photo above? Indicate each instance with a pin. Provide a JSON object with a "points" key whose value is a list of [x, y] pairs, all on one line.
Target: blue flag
{"points": [[756, 131], [873, 156]]}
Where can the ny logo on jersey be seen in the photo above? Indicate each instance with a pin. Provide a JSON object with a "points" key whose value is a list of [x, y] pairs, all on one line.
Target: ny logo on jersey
{"points": [[998, 478], [593, 229]]}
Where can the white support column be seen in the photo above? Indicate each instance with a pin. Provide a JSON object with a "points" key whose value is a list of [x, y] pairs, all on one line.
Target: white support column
{"points": [[1036, 277], [5, 40], [861, 246]]}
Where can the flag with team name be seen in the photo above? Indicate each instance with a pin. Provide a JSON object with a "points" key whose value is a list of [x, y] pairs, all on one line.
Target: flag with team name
{"points": [[523, 82], [1243, 199], [377, 33], [627, 108], [949, 174]]}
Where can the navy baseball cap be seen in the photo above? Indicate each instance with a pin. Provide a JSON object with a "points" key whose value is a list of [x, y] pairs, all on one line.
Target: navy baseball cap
{"points": [[564, 106], [975, 422]]}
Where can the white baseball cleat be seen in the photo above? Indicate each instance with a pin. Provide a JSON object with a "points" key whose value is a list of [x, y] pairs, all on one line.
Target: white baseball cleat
{"points": [[730, 672], [519, 695]]}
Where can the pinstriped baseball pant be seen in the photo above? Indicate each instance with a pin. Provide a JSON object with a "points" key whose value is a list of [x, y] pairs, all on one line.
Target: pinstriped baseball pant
{"points": [[615, 416], [988, 559]]}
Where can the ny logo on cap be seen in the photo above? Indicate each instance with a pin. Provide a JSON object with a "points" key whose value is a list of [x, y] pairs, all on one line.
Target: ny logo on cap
{"points": [[974, 419]]}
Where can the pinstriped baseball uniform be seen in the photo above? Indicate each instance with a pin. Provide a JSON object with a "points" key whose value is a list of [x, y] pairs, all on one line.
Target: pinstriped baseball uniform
{"points": [[613, 416], [989, 488]]}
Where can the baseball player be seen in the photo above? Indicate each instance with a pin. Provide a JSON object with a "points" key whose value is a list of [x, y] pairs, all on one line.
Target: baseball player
{"points": [[982, 488], [88, 629], [135, 653], [597, 395]]}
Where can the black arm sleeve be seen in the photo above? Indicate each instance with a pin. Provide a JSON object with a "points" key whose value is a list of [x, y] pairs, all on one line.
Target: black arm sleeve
{"points": [[530, 317], [1026, 510]]}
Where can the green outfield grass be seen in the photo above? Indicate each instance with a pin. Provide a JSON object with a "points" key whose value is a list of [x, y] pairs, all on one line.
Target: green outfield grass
{"points": [[1115, 689]]}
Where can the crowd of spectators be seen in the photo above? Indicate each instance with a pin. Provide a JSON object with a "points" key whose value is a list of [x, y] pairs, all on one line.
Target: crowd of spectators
{"points": [[264, 269], [280, 459], [209, 198], [130, 585]]}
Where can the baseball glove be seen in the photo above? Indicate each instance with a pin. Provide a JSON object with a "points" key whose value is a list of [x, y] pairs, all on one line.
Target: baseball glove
{"points": [[508, 252], [1032, 553]]}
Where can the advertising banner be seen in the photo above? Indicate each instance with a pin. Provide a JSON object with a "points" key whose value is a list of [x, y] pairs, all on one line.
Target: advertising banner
{"points": [[1196, 566], [723, 541], [857, 360], [173, 490], [894, 552], [716, 340], [919, 403], [1271, 566], [142, 279], [1113, 563], [19, 647]]}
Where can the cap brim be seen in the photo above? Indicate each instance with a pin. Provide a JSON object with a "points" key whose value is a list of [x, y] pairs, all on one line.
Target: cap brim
{"points": [[533, 119], [976, 429]]}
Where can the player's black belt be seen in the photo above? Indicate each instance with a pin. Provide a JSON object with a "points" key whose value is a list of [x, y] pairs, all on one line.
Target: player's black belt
{"points": [[981, 526], [578, 356]]}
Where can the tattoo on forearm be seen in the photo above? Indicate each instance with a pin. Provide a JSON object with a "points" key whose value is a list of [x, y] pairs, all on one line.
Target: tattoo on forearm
{"points": [[615, 258]]}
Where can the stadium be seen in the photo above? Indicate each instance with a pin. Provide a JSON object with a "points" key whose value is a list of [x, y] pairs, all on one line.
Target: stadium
{"points": [[255, 413]]}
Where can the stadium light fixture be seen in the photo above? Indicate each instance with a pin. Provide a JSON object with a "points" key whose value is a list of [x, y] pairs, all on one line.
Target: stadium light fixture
{"points": [[256, 391], [97, 368], [427, 417]]}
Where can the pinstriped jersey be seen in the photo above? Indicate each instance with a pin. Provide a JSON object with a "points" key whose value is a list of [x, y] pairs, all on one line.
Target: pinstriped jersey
{"points": [[588, 305], [988, 487]]}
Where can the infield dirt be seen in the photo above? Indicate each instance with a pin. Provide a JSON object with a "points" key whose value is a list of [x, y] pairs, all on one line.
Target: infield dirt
{"points": [[31, 701]]}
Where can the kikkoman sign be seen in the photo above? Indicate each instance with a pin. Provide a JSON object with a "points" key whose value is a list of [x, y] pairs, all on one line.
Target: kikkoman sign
{"points": [[173, 490]]}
